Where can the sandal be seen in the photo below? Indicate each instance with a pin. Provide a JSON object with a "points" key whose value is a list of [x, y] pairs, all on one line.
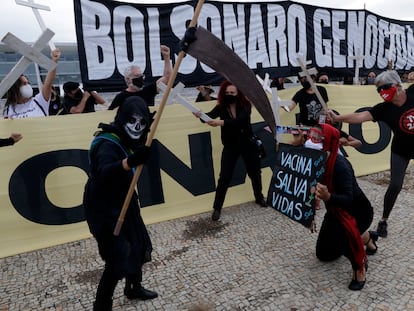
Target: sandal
{"points": [[373, 236]]}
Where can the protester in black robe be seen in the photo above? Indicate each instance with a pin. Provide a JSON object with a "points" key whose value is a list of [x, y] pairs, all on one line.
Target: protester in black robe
{"points": [[115, 151]]}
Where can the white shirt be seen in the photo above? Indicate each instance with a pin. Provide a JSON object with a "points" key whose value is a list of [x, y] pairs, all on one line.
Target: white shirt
{"points": [[28, 109]]}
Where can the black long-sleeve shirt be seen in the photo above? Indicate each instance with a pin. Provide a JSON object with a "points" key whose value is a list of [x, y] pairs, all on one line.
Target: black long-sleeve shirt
{"points": [[6, 142], [235, 130]]}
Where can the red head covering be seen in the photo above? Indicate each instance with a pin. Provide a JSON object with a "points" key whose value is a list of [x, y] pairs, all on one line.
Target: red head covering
{"points": [[331, 144]]}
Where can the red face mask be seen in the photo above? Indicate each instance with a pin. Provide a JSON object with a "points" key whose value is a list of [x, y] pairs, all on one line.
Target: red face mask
{"points": [[388, 94]]}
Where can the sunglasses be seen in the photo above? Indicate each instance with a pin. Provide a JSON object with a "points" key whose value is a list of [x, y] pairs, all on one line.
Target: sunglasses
{"points": [[384, 87]]}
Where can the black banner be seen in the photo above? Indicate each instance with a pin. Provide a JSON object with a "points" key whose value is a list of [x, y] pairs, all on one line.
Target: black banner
{"points": [[268, 36], [295, 175]]}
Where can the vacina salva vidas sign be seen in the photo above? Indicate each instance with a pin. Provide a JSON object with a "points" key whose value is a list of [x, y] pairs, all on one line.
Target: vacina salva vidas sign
{"points": [[293, 185]]}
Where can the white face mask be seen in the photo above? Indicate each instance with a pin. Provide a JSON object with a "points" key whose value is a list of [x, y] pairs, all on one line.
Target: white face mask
{"points": [[135, 127], [311, 145], [26, 91]]}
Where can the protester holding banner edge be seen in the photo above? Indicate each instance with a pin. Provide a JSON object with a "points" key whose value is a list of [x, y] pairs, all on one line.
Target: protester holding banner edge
{"points": [[397, 112]]}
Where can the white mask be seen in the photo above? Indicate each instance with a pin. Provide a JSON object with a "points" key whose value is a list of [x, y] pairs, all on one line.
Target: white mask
{"points": [[311, 145], [135, 127], [26, 91]]}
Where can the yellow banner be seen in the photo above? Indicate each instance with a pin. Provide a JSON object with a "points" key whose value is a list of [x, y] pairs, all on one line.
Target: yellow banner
{"points": [[43, 175]]}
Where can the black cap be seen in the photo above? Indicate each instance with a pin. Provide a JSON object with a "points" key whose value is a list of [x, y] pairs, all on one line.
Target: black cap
{"points": [[70, 86]]}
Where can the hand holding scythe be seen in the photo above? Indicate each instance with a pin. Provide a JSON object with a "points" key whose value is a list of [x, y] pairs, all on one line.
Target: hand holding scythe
{"points": [[155, 124]]}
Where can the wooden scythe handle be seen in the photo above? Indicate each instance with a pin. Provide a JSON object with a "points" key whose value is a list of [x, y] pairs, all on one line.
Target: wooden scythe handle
{"points": [[155, 124]]}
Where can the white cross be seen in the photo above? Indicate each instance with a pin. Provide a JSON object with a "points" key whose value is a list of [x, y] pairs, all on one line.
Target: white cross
{"points": [[36, 7], [181, 100], [307, 73], [173, 93], [358, 64], [276, 103], [265, 82], [30, 54]]}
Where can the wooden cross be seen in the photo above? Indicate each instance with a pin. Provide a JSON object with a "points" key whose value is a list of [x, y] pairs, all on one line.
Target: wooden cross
{"points": [[30, 54], [307, 73], [358, 64], [36, 7]]}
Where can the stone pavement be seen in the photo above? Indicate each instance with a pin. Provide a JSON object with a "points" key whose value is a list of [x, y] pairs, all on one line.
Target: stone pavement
{"points": [[252, 259]]}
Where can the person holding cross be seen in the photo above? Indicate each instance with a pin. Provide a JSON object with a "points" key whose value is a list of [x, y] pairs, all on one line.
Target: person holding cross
{"points": [[233, 110], [21, 103], [310, 106], [397, 111], [114, 154]]}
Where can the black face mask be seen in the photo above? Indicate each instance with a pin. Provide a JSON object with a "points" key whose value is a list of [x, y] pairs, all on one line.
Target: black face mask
{"points": [[306, 85], [229, 99], [78, 95], [138, 82]]}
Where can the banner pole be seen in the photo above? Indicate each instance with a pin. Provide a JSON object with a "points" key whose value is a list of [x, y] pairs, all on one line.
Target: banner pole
{"points": [[155, 123]]}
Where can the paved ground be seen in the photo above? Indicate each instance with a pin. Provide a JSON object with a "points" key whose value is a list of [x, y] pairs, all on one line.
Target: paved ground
{"points": [[253, 259]]}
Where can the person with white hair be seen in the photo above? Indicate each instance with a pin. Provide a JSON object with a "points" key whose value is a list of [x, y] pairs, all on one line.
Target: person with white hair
{"points": [[134, 79], [397, 111]]}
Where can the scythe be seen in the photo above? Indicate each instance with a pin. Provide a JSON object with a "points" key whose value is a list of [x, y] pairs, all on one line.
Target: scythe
{"points": [[213, 52]]}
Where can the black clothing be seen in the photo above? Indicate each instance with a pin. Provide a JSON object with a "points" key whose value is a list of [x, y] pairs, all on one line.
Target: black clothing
{"points": [[104, 196], [235, 136], [309, 106], [399, 165], [6, 142], [275, 83], [401, 122], [332, 240], [55, 106], [148, 94], [201, 98], [236, 131], [69, 102]]}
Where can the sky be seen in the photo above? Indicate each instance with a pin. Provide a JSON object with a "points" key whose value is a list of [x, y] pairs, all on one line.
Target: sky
{"points": [[20, 20]]}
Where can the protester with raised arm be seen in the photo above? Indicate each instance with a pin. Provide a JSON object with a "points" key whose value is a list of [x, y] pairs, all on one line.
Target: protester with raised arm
{"points": [[20, 101], [135, 81]]}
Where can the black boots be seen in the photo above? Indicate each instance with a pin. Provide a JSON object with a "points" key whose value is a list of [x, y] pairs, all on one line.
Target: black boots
{"points": [[261, 202], [139, 292], [216, 215]]}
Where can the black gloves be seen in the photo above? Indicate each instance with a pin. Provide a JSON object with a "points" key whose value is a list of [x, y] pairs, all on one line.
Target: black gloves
{"points": [[140, 156], [189, 37]]}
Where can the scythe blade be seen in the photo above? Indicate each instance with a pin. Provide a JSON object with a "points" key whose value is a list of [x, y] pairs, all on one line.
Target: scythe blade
{"points": [[213, 52]]}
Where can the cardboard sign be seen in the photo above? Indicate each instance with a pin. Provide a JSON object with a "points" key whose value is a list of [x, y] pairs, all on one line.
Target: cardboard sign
{"points": [[292, 187]]}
